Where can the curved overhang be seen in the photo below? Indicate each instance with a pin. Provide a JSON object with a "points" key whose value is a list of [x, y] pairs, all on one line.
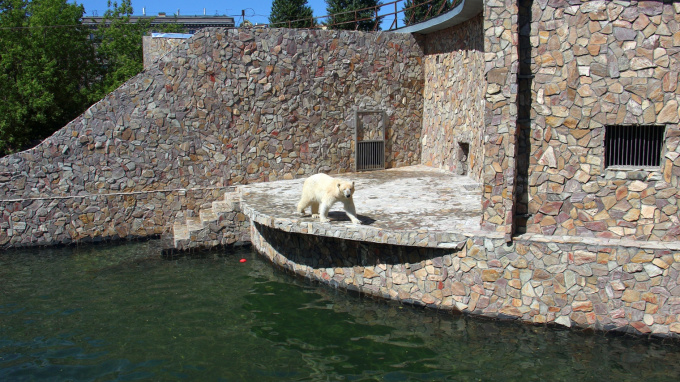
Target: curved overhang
{"points": [[463, 12]]}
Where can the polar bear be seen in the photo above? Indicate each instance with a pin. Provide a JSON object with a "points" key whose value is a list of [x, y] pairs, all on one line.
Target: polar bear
{"points": [[321, 191]]}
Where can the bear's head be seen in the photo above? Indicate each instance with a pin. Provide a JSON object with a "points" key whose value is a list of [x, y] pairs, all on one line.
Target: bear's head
{"points": [[346, 188]]}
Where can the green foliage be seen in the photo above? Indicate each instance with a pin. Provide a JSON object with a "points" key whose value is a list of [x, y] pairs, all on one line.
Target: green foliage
{"points": [[340, 20], [44, 72], [423, 10], [52, 67], [119, 47], [285, 11]]}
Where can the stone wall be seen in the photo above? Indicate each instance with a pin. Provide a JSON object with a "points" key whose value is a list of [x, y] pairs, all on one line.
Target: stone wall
{"points": [[453, 111], [96, 217], [542, 280], [595, 64], [227, 107], [500, 137], [155, 47]]}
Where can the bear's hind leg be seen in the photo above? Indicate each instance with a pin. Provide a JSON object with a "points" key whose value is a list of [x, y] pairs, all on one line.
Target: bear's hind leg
{"points": [[302, 206], [315, 210]]}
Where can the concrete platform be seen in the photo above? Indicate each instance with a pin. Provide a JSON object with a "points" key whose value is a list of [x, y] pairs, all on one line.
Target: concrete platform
{"points": [[413, 206]]}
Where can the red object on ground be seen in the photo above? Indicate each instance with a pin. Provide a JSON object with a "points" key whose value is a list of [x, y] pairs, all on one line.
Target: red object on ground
{"points": [[243, 260]]}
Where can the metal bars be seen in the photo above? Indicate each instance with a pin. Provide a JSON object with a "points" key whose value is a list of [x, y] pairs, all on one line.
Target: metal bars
{"points": [[633, 145], [369, 140], [370, 155]]}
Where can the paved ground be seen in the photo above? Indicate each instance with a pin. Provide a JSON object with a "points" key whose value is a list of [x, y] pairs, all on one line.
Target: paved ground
{"points": [[415, 205]]}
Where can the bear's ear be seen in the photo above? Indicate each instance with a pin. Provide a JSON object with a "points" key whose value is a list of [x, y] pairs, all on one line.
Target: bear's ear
{"points": [[352, 183]]}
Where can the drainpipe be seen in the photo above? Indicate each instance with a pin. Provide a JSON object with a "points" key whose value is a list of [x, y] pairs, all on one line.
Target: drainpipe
{"points": [[523, 102]]}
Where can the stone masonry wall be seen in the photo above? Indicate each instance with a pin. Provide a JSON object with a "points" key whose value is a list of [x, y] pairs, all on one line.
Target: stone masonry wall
{"points": [[595, 64], [580, 283], [500, 137], [155, 47], [455, 86], [227, 107]]}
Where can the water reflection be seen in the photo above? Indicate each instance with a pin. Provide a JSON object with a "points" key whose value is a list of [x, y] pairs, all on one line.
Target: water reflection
{"points": [[120, 312]]}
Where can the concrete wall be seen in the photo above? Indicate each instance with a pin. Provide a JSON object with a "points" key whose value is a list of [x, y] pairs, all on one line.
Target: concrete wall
{"points": [[575, 284], [596, 64], [227, 107], [453, 111]]}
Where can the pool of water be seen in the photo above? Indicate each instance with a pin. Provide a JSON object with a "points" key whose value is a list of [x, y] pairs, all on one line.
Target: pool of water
{"points": [[121, 312]]}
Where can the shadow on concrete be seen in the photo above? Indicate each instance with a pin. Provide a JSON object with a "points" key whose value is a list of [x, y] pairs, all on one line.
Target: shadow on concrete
{"points": [[342, 217], [330, 252]]}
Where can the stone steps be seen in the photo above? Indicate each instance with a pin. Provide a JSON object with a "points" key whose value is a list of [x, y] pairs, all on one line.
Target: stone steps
{"points": [[219, 223]]}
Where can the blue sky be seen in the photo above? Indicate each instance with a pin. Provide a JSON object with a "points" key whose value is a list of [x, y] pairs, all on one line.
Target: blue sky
{"points": [[257, 11]]}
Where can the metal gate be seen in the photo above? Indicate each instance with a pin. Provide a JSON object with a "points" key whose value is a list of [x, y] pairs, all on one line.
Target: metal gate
{"points": [[369, 140]]}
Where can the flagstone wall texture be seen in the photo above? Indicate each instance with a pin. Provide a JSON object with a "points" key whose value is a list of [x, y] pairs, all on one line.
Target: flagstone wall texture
{"points": [[580, 283], [595, 64], [227, 107], [453, 111], [500, 119], [155, 47]]}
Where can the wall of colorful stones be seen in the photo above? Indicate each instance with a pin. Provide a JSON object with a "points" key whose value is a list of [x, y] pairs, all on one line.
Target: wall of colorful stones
{"points": [[227, 107], [597, 64], [570, 284], [500, 118], [155, 47], [94, 218], [453, 111]]}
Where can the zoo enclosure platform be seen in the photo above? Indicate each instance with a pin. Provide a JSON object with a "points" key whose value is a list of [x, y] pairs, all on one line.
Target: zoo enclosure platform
{"points": [[411, 206]]}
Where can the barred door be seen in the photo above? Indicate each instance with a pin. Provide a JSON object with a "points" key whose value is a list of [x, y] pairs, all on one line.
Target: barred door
{"points": [[369, 140]]}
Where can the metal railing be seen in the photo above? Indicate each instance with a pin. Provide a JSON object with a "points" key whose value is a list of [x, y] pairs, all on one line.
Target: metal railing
{"points": [[378, 13]]}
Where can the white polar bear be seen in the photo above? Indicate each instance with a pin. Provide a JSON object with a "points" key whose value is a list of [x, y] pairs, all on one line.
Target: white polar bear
{"points": [[321, 191]]}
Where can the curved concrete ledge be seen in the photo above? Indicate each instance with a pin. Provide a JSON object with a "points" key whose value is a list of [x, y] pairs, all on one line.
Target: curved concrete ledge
{"points": [[409, 206], [422, 245], [463, 12]]}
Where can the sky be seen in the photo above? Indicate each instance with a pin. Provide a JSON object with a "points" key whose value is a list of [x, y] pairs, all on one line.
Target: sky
{"points": [[257, 11]]}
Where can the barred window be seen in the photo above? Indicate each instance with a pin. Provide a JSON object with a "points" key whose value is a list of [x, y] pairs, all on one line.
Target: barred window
{"points": [[633, 145]]}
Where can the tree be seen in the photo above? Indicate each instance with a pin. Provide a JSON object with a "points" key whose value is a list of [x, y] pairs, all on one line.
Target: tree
{"points": [[52, 67], [343, 14], [46, 65], [424, 10], [119, 47], [291, 13]]}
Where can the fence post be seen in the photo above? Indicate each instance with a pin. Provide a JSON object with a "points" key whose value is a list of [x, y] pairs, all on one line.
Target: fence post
{"points": [[375, 27]]}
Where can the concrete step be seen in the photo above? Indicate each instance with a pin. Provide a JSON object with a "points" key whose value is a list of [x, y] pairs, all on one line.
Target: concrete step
{"points": [[205, 229], [220, 207], [194, 224], [207, 215], [233, 199], [180, 231]]}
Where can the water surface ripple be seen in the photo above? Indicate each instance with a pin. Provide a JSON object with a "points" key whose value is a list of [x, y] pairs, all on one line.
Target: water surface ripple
{"points": [[121, 313]]}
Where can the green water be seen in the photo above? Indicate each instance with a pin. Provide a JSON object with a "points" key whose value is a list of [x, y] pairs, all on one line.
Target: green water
{"points": [[120, 312]]}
